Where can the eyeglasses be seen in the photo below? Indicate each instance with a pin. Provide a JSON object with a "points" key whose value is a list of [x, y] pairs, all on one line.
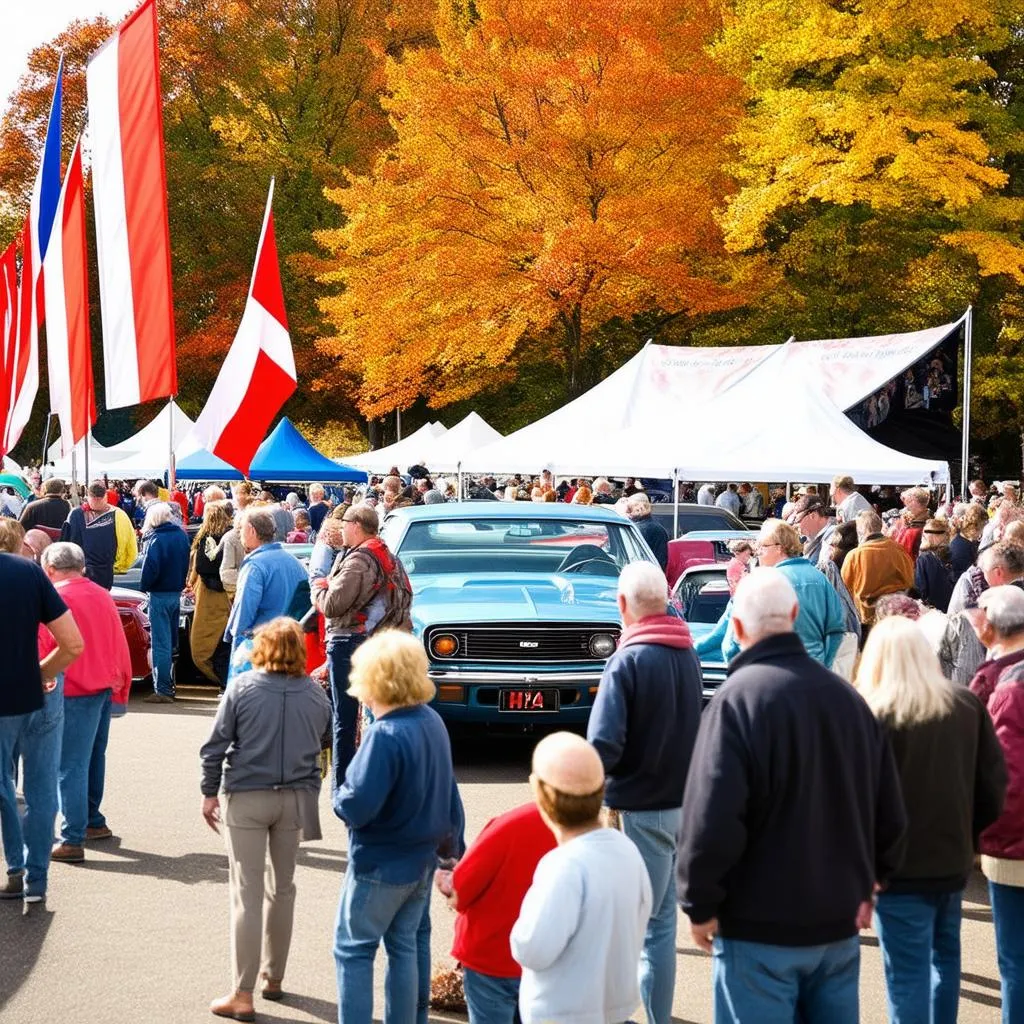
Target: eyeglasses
{"points": [[771, 544]]}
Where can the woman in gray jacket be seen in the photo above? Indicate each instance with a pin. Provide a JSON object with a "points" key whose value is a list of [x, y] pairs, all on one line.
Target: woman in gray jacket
{"points": [[265, 748]]}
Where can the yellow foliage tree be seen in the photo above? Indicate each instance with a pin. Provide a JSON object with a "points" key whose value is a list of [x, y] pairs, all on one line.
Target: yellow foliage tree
{"points": [[557, 164]]}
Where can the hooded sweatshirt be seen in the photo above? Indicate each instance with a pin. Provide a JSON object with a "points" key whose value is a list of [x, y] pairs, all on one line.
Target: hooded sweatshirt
{"points": [[645, 716]]}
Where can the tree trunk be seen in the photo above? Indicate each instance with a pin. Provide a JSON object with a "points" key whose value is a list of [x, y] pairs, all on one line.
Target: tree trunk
{"points": [[374, 430], [572, 347]]}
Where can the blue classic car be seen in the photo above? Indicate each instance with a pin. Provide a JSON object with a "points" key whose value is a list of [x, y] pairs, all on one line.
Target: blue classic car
{"points": [[516, 604]]}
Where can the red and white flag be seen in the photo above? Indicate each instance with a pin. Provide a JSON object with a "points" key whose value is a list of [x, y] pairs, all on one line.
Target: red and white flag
{"points": [[133, 243], [25, 360], [8, 335], [258, 374], [68, 346]]}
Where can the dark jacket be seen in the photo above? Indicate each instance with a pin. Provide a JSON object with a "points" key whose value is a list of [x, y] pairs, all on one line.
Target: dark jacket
{"points": [[645, 717], [656, 536], [963, 554], [165, 560], [207, 568], [934, 580], [50, 512], [792, 809], [1005, 837], [953, 779]]}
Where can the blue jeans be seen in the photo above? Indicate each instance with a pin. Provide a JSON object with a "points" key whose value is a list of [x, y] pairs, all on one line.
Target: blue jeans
{"points": [[920, 939], [490, 1000], [346, 709], [754, 981], [371, 910], [164, 616], [1008, 917], [28, 839], [83, 764], [654, 833]]}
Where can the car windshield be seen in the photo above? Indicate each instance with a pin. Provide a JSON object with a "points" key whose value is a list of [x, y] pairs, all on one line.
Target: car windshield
{"points": [[702, 596], [519, 545]]}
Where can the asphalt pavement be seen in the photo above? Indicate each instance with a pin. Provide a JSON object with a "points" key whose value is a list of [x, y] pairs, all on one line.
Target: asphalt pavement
{"points": [[139, 932]]}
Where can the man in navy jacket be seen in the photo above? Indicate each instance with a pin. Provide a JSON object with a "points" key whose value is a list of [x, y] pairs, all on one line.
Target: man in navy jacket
{"points": [[643, 726], [792, 812], [638, 508]]}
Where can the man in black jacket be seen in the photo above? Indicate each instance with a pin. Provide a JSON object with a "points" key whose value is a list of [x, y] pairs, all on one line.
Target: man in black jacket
{"points": [[638, 508], [49, 511], [643, 726], [792, 812]]}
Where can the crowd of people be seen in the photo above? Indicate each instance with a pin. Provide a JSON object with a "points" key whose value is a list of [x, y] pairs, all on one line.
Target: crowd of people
{"points": [[867, 744]]}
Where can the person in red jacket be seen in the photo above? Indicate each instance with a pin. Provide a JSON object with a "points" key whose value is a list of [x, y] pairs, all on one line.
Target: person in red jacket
{"points": [[487, 889], [1002, 844], [910, 527]]}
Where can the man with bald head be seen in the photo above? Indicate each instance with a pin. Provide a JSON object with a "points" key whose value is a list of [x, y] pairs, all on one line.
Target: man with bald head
{"points": [[35, 543], [794, 814], [582, 924]]}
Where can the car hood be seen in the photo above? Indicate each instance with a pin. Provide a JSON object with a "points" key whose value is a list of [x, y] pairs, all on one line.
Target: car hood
{"points": [[456, 598]]}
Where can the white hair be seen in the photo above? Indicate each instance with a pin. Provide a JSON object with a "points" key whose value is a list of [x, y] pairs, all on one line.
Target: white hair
{"points": [[316, 489], [645, 589], [764, 603], [601, 485], [156, 515], [638, 504], [1004, 609], [63, 556], [214, 493], [899, 674], [292, 499]]}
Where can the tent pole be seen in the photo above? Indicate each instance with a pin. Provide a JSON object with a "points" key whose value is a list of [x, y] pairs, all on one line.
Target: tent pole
{"points": [[398, 423], [170, 445], [675, 502], [88, 433], [74, 476], [966, 445], [458, 472]]}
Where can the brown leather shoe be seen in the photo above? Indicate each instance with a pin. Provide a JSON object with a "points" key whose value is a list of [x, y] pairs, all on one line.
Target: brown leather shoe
{"points": [[98, 833], [158, 698], [14, 887], [68, 854], [236, 1007]]}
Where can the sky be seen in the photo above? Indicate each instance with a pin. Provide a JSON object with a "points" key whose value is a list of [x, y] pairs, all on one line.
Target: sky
{"points": [[38, 21]]}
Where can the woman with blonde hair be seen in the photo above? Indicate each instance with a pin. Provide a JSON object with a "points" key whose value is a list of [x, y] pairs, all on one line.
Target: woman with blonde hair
{"points": [[264, 748], [953, 779], [403, 811], [968, 522], [212, 601], [583, 496]]}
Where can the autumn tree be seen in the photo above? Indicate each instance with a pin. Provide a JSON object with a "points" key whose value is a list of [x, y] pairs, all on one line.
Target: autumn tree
{"points": [[556, 165]]}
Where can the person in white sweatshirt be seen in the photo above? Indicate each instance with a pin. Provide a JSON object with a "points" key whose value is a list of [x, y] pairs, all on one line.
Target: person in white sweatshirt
{"points": [[581, 928]]}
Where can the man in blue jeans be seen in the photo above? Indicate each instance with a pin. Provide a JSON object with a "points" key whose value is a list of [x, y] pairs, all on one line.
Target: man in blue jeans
{"points": [[165, 557], [794, 814], [643, 726], [31, 713]]}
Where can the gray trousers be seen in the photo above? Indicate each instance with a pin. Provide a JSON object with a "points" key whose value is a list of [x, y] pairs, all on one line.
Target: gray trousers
{"points": [[262, 891]]}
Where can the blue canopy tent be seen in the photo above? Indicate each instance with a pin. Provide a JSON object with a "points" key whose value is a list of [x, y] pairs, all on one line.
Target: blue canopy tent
{"points": [[284, 457]]}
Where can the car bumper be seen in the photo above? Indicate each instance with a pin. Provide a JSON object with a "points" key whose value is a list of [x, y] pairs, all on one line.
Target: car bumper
{"points": [[472, 697], [713, 674]]}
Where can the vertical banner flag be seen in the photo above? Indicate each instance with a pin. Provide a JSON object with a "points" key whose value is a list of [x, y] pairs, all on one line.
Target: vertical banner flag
{"points": [[258, 374], [68, 347], [35, 240], [8, 334], [130, 197]]}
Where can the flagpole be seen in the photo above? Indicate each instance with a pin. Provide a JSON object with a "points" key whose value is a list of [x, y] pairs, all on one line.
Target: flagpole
{"points": [[965, 452], [170, 442]]}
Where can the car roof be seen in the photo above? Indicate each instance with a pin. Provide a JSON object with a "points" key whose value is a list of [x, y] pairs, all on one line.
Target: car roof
{"points": [[508, 510]]}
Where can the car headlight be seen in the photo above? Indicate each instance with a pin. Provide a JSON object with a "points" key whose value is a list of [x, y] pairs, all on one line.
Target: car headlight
{"points": [[444, 645], [602, 645]]}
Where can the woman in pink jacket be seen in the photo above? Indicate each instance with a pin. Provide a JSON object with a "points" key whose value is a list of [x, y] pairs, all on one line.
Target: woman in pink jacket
{"points": [[100, 678], [1002, 844]]}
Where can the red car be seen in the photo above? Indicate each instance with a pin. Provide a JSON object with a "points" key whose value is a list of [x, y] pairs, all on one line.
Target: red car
{"points": [[136, 629]]}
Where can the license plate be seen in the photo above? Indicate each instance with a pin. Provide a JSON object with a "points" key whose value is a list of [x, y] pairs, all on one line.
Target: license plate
{"points": [[528, 700]]}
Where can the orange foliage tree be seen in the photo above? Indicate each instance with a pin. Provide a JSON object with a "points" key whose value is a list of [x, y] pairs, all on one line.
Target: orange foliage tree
{"points": [[557, 165]]}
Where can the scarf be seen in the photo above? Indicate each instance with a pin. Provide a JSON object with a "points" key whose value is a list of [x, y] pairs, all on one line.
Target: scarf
{"points": [[666, 630]]}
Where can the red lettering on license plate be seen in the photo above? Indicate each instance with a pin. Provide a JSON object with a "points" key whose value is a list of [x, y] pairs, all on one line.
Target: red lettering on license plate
{"points": [[528, 700]]}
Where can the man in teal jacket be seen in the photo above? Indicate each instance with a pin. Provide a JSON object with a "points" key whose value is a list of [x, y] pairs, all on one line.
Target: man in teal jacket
{"points": [[820, 622]]}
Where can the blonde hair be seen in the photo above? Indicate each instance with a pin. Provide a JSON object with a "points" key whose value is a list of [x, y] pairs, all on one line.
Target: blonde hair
{"points": [[12, 535], [900, 677], [775, 531], [279, 646], [391, 668]]}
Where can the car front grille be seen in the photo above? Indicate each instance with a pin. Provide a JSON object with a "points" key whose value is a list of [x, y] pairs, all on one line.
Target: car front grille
{"points": [[534, 644]]}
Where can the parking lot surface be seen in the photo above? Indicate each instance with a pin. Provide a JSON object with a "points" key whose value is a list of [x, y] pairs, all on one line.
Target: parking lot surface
{"points": [[139, 932]]}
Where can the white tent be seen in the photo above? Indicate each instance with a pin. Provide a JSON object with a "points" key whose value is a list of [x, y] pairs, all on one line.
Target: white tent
{"points": [[766, 412], [448, 450], [144, 454], [410, 450]]}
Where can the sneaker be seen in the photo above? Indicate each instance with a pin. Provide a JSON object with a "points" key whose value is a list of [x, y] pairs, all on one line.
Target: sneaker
{"points": [[158, 698], [68, 854], [14, 886], [36, 897], [98, 833]]}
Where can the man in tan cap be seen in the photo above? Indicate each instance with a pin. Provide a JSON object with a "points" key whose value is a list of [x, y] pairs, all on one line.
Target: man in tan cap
{"points": [[582, 924]]}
